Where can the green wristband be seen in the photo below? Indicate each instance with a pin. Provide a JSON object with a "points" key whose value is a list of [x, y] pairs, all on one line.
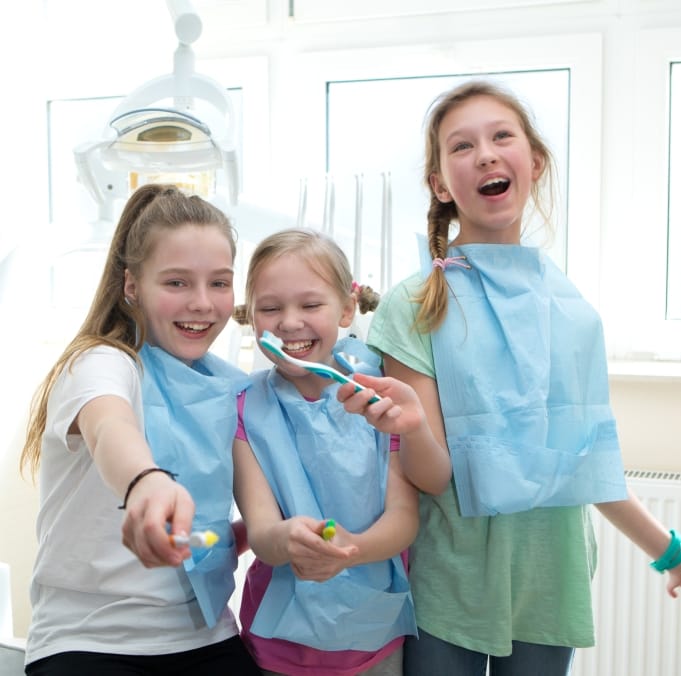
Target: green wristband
{"points": [[672, 556]]}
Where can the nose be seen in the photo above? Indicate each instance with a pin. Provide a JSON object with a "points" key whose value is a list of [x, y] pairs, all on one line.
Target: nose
{"points": [[289, 321], [200, 300], [486, 155]]}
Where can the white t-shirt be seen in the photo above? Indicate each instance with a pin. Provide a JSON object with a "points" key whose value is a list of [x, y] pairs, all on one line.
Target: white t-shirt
{"points": [[88, 591]]}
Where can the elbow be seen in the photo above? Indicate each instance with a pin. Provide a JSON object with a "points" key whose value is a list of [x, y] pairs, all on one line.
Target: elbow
{"points": [[430, 484], [434, 487], [436, 481]]}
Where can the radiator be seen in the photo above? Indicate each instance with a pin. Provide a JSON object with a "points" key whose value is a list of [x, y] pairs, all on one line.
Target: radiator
{"points": [[638, 625]]}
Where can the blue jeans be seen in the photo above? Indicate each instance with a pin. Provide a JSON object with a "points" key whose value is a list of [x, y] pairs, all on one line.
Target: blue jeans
{"points": [[430, 656]]}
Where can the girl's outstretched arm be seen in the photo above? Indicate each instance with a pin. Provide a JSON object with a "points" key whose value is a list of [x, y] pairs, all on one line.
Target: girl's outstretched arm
{"points": [[111, 431], [641, 527], [410, 407]]}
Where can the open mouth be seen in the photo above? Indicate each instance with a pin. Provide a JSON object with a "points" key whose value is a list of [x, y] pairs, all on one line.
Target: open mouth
{"points": [[193, 327], [495, 186], [297, 347]]}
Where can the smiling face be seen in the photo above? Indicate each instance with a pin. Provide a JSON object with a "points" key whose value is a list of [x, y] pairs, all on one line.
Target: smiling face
{"points": [[487, 168], [294, 302], [185, 289]]}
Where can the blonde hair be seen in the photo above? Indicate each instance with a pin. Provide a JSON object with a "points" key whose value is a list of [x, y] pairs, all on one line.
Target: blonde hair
{"points": [[151, 209], [318, 251], [433, 295]]}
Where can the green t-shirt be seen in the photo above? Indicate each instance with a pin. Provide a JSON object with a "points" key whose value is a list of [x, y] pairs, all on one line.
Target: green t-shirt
{"points": [[482, 582]]}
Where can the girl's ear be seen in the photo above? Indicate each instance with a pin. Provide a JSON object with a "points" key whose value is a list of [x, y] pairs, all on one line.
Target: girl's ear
{"points": [[538, 165], [348, 315], [439, 189], [130, 287]]}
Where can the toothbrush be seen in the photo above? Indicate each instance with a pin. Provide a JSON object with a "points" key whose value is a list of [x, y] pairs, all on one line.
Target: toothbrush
{"points": [[206, 538], [329, 530], [274, 344]]}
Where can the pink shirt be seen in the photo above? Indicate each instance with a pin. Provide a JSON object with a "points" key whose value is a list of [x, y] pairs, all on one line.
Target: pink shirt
{"points": [[277, 655]]}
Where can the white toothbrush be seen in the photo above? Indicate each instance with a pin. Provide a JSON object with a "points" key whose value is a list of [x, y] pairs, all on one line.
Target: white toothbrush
{"points": [[274, 344]]}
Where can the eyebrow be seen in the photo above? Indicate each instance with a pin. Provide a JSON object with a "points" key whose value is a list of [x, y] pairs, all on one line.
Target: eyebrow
{"points": [[461, 131], [184, 271]]}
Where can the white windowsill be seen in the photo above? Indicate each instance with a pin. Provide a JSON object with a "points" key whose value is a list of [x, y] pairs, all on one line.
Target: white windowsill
{"points": [[624, 369]]}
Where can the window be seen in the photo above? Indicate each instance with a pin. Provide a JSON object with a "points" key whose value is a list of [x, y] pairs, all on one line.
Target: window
{"points": [[337, 123], [640, 293], [375, 144], [674, 225]]}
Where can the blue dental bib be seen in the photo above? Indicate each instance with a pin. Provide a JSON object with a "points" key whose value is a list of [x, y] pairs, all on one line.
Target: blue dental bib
{"points": [[522, 379], [323, 462], [190, 419]]}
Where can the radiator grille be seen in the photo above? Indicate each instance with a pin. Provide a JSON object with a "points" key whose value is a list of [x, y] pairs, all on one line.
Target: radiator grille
{"points": [[638, 625]]}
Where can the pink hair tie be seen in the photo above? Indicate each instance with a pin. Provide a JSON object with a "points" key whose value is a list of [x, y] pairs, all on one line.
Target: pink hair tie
{"points": [[355, 288], [444, 263]]}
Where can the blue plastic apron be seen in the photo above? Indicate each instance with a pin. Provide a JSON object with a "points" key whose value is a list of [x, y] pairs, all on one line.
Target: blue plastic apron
{"points": [[525, 399], [190, 419], [325, 463]]}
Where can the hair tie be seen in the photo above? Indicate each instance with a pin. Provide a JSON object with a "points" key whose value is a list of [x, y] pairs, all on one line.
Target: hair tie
{"points": [[355, 288], [444, 263]]}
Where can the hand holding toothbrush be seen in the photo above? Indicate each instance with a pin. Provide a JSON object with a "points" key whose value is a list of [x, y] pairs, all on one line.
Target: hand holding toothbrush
{"points": [[401, 410], [156, 502], [398, 409]]}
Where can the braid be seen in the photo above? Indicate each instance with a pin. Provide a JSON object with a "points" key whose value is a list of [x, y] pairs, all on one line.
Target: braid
{"points": [[433, 296]]}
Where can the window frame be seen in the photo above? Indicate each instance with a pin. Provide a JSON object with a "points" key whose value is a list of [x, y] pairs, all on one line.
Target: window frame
{"points": [[636, 190], [303, 115]]}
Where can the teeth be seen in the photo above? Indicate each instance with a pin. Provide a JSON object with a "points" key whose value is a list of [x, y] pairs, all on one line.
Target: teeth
{"points": [[299, 345], [494, 181], [193, 327]]}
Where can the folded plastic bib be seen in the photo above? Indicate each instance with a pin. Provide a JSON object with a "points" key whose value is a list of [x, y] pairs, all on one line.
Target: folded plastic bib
{"points": [[323, 462], [522, 379], [190, 420]]}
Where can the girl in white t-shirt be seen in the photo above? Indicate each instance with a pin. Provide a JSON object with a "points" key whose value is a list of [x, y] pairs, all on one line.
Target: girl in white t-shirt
{"points": [[136, 377]]}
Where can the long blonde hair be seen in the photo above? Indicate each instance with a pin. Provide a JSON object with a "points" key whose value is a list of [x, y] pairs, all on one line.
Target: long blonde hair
{"points": [[110, 319], [433, 295]]}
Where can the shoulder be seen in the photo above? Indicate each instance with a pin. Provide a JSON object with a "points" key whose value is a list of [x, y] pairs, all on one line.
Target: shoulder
{"points": [[96, 372], [256, 391], [398, 303], [221, 367], [404, 291], [258, 378], [392, 329], [559, 282], [104, 360], [102, 369]]}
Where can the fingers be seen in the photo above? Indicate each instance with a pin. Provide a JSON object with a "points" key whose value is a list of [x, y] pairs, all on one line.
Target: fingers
{"points": [[314, 558], [321, 566], [382, 414], [373, 385], [145, 530], [358, 401]]}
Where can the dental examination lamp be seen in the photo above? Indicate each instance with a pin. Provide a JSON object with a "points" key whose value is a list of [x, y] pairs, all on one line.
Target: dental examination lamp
{"points": [[177, 128]]}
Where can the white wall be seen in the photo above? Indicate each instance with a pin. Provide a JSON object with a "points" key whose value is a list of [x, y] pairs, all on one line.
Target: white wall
{"points": [[82, 55]]}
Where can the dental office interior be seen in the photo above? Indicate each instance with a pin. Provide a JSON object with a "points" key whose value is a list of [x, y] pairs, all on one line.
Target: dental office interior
{"points": [[310, 112]]}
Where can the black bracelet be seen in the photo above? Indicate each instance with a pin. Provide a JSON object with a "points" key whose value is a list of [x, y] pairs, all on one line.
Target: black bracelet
{"points": [[141, 476]]}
